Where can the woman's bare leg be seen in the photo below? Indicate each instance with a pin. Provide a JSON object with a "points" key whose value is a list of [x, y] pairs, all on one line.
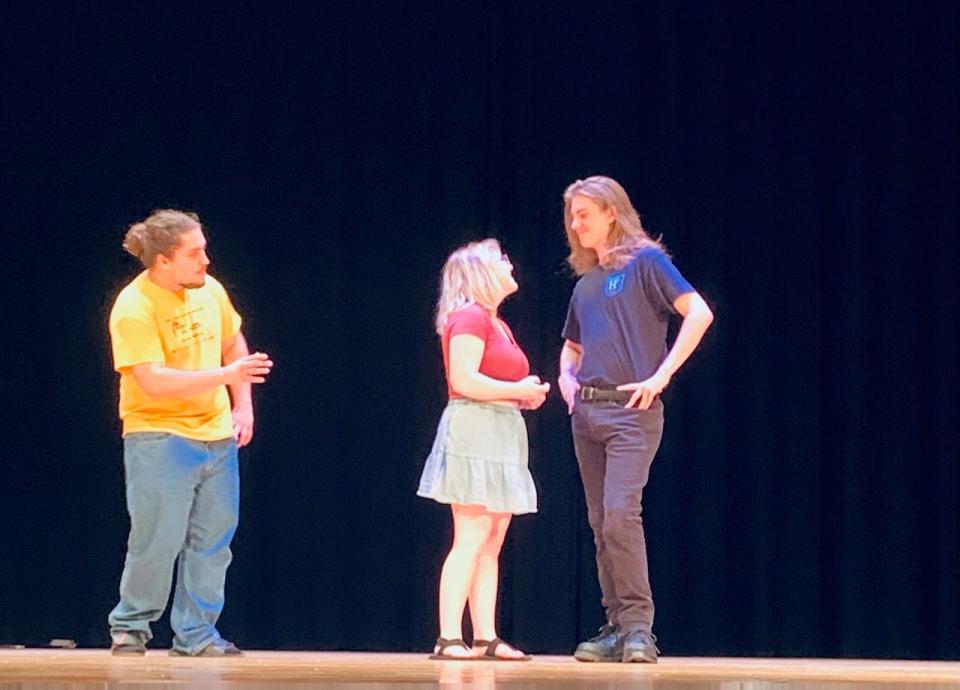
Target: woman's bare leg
{"points": [[483, 588], [472, 526]]}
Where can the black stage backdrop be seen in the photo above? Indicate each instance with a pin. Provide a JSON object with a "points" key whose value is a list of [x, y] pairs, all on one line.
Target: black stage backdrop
{"points": [[799, 159]]}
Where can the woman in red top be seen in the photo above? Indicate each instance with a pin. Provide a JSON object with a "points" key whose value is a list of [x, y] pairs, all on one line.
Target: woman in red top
{"points": [[478, 464]]}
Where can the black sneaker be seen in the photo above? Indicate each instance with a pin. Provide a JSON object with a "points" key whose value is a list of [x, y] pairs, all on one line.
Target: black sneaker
{"points": [[639, 646], [128, 643], [606, 646]]}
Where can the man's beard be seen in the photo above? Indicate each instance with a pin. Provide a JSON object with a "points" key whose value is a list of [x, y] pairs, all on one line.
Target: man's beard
{"points": [[194, 285]]}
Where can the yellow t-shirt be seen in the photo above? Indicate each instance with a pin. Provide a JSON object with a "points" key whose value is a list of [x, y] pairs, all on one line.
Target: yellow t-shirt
{"points": [[181, 330]]}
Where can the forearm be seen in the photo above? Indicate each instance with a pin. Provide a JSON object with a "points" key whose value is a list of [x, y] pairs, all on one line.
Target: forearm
{"points": [[570, 360], [166, 382], [240, 393], [477, 386], [694, 325]]}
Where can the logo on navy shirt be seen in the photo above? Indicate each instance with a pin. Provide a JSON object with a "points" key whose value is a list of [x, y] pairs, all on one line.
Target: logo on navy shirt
{"points": [[614, 284]]}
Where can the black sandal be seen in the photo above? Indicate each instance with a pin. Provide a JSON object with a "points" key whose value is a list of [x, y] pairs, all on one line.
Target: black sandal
{"points": [[491, 653], [443, 643]]}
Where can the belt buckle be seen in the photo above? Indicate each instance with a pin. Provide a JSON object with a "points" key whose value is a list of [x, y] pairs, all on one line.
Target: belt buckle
{"points": [[586, 393]]}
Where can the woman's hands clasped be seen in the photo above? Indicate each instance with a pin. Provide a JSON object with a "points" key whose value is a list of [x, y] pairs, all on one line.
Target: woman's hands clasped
{"points": [[532, 392]]}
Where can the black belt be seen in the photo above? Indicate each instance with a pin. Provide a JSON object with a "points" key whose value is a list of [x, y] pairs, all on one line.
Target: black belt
{"points": [[592, 394]]}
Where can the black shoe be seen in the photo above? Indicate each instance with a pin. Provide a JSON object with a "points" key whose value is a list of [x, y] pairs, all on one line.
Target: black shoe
{"points": [[606, 646], [128, 643], [639, 646]]}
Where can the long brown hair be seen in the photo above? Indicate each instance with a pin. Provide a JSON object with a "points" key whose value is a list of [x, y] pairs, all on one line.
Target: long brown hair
{"points": [[159, 233], [627, 235]]}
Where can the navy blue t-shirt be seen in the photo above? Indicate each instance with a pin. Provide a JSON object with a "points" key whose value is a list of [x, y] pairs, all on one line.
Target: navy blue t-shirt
{"points": [[620, 316]]}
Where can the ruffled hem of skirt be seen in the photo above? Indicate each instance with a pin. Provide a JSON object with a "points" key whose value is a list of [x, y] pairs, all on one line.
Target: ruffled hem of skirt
{"points": [[500, 488]]}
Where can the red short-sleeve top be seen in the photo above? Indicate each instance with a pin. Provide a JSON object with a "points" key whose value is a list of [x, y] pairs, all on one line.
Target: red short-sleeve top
{"points": [[502, 357]]}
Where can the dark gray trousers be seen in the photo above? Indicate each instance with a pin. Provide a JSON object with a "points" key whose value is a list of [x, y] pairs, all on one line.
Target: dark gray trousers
{"points": [[615, 448]]}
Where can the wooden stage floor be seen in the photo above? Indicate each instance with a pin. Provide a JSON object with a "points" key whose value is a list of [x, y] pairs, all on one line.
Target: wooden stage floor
{"points": [[35, 669]]}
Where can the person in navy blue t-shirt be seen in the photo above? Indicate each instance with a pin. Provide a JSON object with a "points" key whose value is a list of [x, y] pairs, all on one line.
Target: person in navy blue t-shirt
{"points": [[613, 367]]}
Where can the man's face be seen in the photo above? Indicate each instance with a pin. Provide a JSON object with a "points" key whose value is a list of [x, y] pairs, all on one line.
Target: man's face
{"points": [[591, 223], [187, 267]]}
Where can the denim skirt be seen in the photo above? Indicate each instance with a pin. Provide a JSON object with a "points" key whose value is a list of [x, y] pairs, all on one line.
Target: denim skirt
{"points": [[479, 457]]}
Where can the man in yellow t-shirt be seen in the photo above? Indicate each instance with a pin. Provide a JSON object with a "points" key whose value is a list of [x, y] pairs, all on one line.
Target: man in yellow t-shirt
{"points": [[177, 346]]}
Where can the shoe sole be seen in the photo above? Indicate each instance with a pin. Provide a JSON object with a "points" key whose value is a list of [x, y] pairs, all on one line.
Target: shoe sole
{"points": [[590, 657], [639, 658], [128, 652]]}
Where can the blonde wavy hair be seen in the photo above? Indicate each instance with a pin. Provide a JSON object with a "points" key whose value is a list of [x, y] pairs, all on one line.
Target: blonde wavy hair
{"points": [[627, 235], [159, 233], [468, 278]]}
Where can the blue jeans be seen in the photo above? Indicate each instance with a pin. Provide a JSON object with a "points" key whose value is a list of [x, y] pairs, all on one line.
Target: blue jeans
{"points": [[183, 497]]}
